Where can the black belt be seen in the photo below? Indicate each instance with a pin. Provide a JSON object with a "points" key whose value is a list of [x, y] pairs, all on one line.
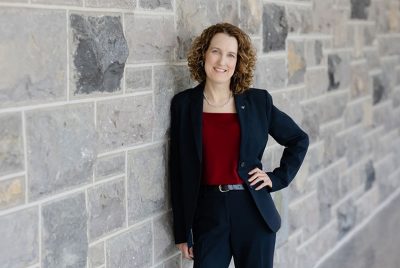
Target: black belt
{"points": [[223, 187]]}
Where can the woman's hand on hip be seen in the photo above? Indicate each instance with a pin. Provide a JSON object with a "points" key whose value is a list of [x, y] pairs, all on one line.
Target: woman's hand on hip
{"points": [[186, 252], [259, 176]]}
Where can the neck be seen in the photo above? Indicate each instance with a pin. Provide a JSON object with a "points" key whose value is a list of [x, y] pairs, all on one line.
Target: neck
{"points": [[217, 92]]}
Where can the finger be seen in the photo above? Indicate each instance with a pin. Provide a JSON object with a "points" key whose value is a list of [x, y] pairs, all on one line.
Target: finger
{"points": [[257, 179], [256, 175], [253, 171], [262, 185], [191, 252]]}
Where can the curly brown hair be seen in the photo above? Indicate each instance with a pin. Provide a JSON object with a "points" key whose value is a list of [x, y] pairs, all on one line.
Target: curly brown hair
{"points": [[246, 59]]}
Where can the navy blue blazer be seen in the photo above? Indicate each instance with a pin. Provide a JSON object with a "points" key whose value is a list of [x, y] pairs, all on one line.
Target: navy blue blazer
{"points": [[258, 117]]}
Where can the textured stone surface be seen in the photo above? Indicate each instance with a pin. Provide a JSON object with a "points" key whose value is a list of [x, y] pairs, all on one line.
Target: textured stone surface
{"points": [[275, 28], [110, 165], [194, 16], [328, 191], [59, 2], [296, 62], [131, 249], [64, 233], [96, 255], [339, 71], [346, 215], [35, 56], [147, 183], [99, 52], [271, 72], [154, 4], [138, 79], [317, 82], [359, 9], [377, 249], [12, 192], [11, 144], [379, 88], [19, 244], [299, 19], [124, 122], [164, 245], [251, 16], [126, 4], [150, 38], [61, 146], [168, 80], [106, 207]]}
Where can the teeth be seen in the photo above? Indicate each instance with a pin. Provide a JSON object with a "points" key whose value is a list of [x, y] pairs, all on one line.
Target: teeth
{"points": [[220, 70]]}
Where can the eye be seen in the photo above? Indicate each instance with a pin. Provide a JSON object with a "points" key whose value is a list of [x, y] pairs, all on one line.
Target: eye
{"points": [[232, 56]]}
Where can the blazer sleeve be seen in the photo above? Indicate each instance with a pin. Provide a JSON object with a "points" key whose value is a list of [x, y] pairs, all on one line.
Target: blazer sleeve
{"points": [[288, 134], [174, 176]]}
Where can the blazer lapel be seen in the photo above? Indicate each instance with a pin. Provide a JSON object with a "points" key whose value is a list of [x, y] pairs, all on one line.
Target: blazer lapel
{"points": [[242, 109]]}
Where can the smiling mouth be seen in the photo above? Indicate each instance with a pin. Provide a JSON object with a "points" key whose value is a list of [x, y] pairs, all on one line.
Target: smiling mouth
{"points": [[220, 70]]}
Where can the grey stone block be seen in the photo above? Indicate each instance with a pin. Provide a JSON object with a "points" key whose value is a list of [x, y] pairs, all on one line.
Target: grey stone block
{"points": [[33, 56], [339, 70], [12, 192], [360, 81], [124, 122], [174, 262], [359, 9], [110, 165], [106, 206], [96, 255], [125, 4], [19, 244], [296, 62], [138, 79], [317, 82], [299, 19], [379, 89], [275, 27], [313, 53], [164, 245], [270, 73], [59, 2], [168, 80], [156, 4], [150, 38], [61, 146], [99, 52], [131, 249], [64, 235], [11, 143], [346, 215], [251, 16], [147, 183], [328, 193]]}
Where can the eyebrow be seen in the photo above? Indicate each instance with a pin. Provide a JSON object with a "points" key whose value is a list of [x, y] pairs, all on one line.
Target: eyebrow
{"points": [[220, 49]]}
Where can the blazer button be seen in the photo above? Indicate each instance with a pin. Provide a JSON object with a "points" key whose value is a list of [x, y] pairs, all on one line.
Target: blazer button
{"points": [[243, 164]]}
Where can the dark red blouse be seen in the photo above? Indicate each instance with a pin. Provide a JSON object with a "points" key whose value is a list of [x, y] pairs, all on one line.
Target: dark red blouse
{"points": [[221, 144]]}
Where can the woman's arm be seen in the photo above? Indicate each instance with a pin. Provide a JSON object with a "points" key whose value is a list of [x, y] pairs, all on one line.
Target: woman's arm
{"points": [[287, 133]]}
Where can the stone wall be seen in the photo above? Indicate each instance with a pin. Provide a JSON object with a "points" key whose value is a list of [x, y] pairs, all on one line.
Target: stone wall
{"points": [[85, 88]]}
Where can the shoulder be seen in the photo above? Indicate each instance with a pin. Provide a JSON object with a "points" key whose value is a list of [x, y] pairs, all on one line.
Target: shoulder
{"points": [[258, 94], [182, 97]]}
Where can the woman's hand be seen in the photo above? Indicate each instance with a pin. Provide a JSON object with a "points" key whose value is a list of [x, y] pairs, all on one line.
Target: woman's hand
{"points": [[186, 252], [257, 176]]}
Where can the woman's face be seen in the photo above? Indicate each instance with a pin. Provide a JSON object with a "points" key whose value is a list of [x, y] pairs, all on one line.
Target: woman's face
{"points": [[221, 58]]}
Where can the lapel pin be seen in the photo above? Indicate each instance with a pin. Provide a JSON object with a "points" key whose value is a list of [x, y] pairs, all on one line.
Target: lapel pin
{"points": [[242, 107]]}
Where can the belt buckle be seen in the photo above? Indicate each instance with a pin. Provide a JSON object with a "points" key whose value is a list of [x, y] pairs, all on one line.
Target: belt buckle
{"points": [[220, 189]]}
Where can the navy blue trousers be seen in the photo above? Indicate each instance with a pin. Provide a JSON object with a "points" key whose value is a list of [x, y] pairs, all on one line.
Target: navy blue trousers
{"points": [[229, 224]]}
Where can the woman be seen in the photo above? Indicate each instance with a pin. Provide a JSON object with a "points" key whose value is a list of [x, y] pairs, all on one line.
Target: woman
{"points": [[221, 201]]}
